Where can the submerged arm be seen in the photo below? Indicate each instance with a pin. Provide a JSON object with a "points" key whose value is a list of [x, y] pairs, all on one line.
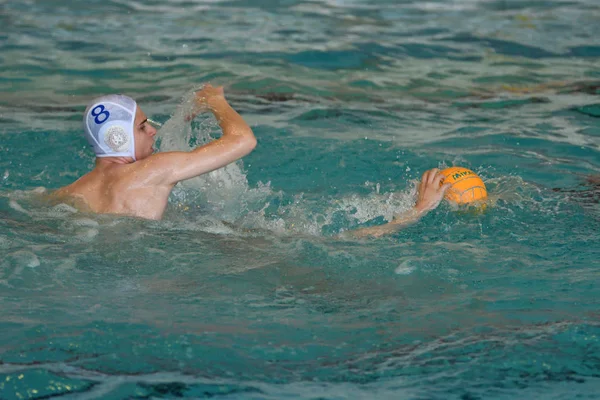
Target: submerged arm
{"points": [[399, 221]]}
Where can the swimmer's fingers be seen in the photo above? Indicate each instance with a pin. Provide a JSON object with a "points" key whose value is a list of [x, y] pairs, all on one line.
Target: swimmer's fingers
{"points": [[209, 90], [208, 93], [428, 176], [423, 184], [432, 175], [444, 188], [425, 177], [438, 178]]}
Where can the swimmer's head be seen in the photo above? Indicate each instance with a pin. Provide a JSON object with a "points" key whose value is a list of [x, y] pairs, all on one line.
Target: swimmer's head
{"points": [[108, 123], [116, 127]]}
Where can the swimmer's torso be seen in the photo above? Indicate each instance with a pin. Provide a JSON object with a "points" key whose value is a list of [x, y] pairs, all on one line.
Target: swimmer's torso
{"points": [[117, 189]]}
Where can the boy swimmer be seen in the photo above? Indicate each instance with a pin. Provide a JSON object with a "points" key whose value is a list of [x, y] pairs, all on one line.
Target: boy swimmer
{"points": [[128, 178]]}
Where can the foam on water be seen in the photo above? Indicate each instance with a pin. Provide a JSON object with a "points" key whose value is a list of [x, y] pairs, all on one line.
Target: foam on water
{"points": [[220, 191]]}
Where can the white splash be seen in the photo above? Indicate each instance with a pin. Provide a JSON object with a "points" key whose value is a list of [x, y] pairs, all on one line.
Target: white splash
{"points": [[224, 191]]}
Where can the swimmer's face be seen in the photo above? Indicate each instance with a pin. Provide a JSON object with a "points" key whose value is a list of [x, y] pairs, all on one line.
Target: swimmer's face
{"points": [[144, 136]]}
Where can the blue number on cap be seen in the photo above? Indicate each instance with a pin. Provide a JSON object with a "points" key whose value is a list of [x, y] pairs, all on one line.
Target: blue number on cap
{"points": [[98, 111]]}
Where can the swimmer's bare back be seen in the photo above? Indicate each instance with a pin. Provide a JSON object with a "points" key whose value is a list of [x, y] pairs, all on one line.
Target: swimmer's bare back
{"points": [[117, 189], [120, 185]]}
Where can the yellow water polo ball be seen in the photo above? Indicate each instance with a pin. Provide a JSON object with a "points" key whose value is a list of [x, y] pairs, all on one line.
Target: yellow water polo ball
{"points": [[466, 187]]}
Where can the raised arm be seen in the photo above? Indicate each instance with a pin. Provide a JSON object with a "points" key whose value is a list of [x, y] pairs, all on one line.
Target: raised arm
{"points": [[429, 196], [237, 141]]}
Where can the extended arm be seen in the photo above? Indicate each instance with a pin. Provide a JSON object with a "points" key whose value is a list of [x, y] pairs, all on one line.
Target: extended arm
{"points": [[430, 193]]}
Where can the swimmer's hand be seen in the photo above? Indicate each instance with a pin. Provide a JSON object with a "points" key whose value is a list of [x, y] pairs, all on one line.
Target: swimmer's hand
{"points": [[430, 193], [429, 196], [210, 97]]}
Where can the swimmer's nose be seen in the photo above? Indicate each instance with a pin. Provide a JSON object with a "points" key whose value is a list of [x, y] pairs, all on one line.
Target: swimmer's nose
{"points": [[153, 132]]}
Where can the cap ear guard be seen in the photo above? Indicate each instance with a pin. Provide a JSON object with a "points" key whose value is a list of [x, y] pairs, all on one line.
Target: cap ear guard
{"points": [[115, 137]]}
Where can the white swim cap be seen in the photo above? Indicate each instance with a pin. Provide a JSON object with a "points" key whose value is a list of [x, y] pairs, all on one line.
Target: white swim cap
{"points": [[108, 124]]}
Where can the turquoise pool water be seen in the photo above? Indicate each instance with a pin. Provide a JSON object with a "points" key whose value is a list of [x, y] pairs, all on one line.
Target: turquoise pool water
{"points": [[243, 290]]}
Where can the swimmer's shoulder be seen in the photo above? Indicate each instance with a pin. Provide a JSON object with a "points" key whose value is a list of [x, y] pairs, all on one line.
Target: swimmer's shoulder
{"points": [[66, 195], [77, 193], [58, 194], [151, 170]]}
